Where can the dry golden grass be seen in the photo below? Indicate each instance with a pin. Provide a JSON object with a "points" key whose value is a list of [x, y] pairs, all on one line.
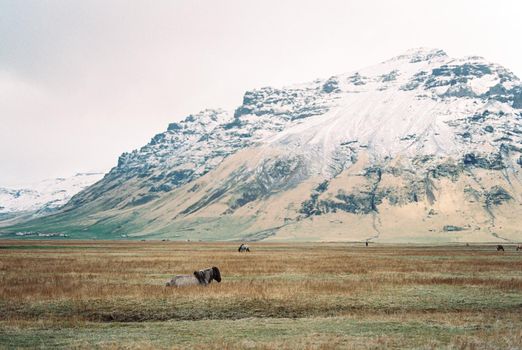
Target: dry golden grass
{"points": [[345, 295]]}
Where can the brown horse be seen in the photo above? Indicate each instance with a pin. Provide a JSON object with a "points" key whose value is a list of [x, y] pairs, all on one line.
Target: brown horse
{"points": [[519, 247]]}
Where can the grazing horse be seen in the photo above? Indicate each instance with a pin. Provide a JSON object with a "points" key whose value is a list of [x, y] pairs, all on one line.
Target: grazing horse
{"points": [[499, 248], [519, 247], [201, 277], [243, 248]]}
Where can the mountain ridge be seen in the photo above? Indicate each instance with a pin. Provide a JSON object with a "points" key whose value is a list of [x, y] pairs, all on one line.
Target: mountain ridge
{"points": [[18, 203], [357, 156]]}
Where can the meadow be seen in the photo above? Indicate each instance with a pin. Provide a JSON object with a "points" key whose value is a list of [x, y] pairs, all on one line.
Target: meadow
{"points": [[112, 295]]}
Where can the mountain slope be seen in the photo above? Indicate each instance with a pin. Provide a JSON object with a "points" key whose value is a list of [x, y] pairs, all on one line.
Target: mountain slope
{"points": [[422, 147], [41, 198]]}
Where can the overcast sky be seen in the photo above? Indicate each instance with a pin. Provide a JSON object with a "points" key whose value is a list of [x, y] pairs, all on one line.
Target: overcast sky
{"points": [[83, 81]]}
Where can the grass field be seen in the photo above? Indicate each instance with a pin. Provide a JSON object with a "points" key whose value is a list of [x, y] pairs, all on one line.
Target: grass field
{"points": [[80, 294]]}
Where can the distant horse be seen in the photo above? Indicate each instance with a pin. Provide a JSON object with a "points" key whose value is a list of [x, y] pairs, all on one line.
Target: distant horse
{"points": [[243, 248], [519, 247], [201, 277], [500, 248]]}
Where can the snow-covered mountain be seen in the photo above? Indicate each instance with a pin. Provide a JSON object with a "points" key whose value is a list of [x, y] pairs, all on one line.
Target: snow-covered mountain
{"points": [[421, 147], [44, 196]]}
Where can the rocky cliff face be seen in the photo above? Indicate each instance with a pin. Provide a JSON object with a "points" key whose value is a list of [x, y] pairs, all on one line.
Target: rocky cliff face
{"points": [[422, 147]]}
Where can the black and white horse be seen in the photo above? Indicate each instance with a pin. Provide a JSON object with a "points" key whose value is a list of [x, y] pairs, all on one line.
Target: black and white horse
{"points": [[500, 248], [243, 248], [201, 277]]}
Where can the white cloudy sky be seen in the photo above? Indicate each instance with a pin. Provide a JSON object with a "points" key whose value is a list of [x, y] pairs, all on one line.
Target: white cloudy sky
{"points": [[83, 81]]}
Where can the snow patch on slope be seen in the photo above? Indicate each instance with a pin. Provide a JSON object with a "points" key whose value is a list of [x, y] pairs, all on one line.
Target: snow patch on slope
{"points": [[47, 194]]}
